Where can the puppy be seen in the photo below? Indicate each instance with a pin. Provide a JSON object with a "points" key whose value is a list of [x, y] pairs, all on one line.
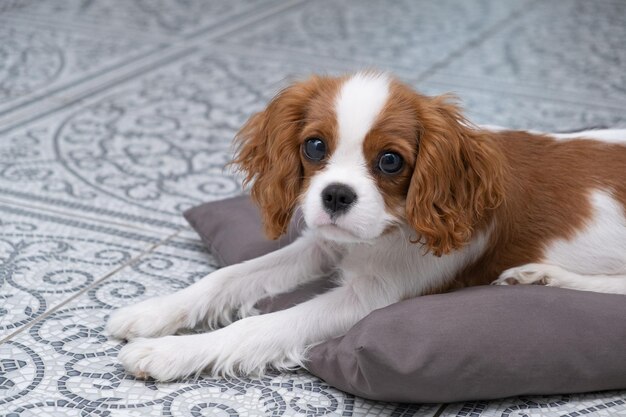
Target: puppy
{"points": [[401, 197]]}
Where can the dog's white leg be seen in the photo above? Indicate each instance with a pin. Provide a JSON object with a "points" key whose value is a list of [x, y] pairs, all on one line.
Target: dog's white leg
{"points": [[248, 346], [227, 293], [554, 276]]}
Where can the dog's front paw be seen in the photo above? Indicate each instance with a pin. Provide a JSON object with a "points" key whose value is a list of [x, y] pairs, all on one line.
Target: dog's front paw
{"points": [[150, 318], [246, 347], [535, 274], [163, 359]]}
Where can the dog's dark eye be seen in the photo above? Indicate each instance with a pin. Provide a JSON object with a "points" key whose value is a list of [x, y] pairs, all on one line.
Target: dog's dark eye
{"points": [[314, 149], [390, 163]]}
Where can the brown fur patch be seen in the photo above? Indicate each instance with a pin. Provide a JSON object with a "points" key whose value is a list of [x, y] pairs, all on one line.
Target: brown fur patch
{"points": [[452, 176], [269, 147], [547, 193]]}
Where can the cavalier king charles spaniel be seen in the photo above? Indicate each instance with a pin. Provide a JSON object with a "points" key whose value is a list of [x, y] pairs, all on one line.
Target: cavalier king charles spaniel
{"points": [[402, 197]]}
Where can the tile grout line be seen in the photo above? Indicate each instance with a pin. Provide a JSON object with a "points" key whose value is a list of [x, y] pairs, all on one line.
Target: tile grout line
{"points": [[100, 220], [55, 94], [243, 20], [43, 22], [193, 239], [171, 54], [475, 42], [302, 57], [107, 275], [79, 206]]}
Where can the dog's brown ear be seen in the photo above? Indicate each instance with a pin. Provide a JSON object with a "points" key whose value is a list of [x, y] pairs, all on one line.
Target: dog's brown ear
{"points": [[457, 177], [268, 154]]}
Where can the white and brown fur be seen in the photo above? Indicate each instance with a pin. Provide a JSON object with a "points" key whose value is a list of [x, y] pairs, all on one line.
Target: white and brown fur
{"points": [[470, 206]]}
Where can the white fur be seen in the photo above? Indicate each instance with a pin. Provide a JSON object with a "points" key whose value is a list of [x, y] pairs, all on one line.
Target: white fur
{"points": [[228, 293], [374, 269], [358, 104], [372, 275], [555, 276], [605, 135], [600, 248]]}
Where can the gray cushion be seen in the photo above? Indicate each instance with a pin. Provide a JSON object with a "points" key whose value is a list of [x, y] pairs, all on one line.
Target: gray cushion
{"points": [[231, 229], [477, 343]]}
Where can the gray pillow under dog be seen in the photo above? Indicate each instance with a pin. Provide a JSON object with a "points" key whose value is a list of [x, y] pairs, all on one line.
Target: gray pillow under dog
{"points": [[476, 343]]}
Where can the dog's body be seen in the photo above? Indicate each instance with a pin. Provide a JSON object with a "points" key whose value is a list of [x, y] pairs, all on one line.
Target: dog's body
{"points": [[402, 197]]}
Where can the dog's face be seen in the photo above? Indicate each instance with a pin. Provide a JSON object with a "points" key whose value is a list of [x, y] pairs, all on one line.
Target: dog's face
{"points": [[362, 154]]}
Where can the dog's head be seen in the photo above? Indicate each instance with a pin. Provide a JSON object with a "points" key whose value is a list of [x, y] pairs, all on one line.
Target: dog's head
{"points": [[364, 153]]}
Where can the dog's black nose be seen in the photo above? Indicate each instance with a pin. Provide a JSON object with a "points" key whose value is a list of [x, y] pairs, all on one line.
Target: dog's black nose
{"points": [[337, 198]]}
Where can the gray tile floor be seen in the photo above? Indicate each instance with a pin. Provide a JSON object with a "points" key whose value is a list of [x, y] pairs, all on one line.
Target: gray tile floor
{"points": [[117, 115]]}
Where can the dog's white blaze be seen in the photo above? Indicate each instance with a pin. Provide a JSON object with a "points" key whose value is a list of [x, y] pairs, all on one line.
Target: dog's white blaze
{"points": [[358, 104]]}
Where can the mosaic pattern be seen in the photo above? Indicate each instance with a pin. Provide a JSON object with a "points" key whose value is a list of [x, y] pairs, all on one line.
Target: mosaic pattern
{"points": [[414, 36], [45, 259], [163, 18], [109, 131], [36, 60], [520, 54], [145, 150], [82, 371], [596, 404]]}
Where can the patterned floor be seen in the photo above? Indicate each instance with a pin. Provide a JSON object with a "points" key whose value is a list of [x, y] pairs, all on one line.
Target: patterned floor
{"points": [[117, 115]]}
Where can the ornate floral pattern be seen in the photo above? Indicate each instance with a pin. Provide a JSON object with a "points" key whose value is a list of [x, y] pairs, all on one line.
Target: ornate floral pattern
{"points": [[149, 148], [168, 134], [45, 260], [109, 131]]}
